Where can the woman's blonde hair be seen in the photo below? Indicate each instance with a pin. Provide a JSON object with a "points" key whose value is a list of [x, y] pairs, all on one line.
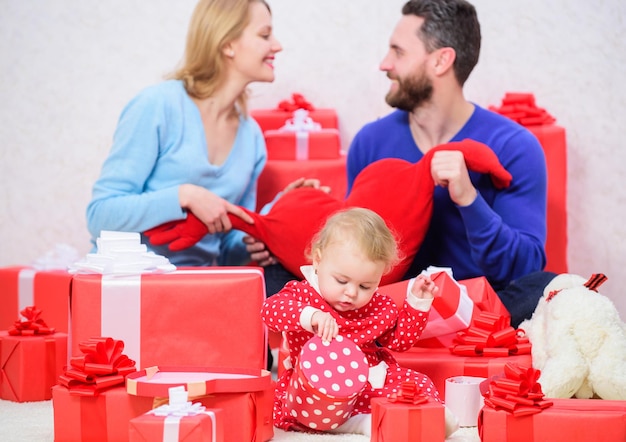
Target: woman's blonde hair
{"points": [[214, 24], [363, 227]]}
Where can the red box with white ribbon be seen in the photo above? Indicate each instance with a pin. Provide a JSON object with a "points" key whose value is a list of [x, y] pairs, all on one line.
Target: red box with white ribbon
{"points": [[23, 286], [243, 396], [322, 144], [199, 317]]}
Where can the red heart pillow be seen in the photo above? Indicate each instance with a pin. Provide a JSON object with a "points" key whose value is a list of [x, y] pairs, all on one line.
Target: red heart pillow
{"points": [[399, 191]]}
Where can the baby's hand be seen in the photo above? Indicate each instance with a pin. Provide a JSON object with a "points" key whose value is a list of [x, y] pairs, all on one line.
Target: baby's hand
{"points": [[324, 325], [424, 287]]}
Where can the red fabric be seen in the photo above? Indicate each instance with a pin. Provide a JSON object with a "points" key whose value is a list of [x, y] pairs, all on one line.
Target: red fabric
{"points": [[399, 191]]}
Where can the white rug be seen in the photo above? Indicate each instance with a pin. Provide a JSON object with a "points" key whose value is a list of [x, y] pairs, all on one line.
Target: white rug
{"points": [[33, 422]]}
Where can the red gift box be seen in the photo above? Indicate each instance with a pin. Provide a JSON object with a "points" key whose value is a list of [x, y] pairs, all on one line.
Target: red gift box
{"points": [[202, 317], [439, 364], [245, 397], [521, 107], [569, 420], [203, 427], [104, 417], [273, 119], [30, 365], [323, 144], [277, 174], [451, 310], [404, 422], [49, 290]]}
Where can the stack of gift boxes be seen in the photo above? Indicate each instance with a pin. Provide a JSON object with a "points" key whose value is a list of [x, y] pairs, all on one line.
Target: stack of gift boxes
{"points": [[302, 141], [133, 316]]}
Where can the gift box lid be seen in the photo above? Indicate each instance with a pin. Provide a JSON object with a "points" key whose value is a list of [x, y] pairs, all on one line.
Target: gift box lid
{"points": [[198, 381], [337, 368]]}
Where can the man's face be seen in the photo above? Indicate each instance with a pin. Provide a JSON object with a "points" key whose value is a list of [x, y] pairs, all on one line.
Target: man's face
{"points": [[405, 64]]}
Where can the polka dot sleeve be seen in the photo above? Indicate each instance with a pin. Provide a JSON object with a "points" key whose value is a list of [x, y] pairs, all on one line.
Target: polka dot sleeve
{"points": [[408, 328], [281, 312]]}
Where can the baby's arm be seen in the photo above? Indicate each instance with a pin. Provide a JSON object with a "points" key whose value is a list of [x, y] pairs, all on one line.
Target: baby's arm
{"points": [[424, 287], [324, 325]]}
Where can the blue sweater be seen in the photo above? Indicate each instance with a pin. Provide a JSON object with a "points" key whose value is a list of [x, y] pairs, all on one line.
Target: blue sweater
{"points": [[501, 235], [158, 145]]}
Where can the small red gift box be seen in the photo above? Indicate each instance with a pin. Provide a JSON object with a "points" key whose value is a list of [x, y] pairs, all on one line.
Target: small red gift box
{"points": [[322, 144], [439, 364], [277, 174], [406, 422], [451, 310], [197, 428], [104, 417], [521, 107], [245, 397], [30, 365], [567, 420], [201, 317], [49, 290]]}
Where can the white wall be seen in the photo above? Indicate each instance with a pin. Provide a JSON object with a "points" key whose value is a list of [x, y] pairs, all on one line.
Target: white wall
{"points": [[68, 68]]}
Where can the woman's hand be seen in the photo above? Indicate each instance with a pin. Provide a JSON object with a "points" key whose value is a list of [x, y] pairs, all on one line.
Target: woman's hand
{"points": [[210, 208]]}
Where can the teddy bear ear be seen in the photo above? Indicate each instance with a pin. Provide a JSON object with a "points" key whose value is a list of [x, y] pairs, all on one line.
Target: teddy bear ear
{"points": [[564, 281]]}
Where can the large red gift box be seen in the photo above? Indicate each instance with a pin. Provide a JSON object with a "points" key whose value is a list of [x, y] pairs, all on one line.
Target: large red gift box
{"points": [[322, 144], [277, 174], [571, 420], [552, 139], [30, 365], [203, 427], [273, 119], [100, 418], [451, 310], [49, 290], [201, 317], [439, 364], [404, 422], [244, 397]]}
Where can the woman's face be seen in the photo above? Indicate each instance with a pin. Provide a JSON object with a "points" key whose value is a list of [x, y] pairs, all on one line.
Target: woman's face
{"points": [[253, 53]]}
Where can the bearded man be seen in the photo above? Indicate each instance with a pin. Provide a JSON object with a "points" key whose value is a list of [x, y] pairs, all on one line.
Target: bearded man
{"points": [[476, 229]]}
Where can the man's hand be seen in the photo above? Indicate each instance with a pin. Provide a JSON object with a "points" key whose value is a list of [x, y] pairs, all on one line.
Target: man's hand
{"points": [[258, 251], [306, 182], [448, 169]]}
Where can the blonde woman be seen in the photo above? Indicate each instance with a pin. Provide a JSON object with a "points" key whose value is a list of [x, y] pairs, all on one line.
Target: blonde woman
{"points": [[187, 143]]}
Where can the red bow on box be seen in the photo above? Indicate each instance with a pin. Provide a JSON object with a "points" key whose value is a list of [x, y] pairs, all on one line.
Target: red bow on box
{"points": [[102, 366], [517, 392], [489, 335], [522, 109], [32, 325], [298, 102], [409, 393]]}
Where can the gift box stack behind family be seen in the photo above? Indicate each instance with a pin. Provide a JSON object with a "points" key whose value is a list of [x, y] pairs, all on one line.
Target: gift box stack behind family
{"points": [[393, 276]]}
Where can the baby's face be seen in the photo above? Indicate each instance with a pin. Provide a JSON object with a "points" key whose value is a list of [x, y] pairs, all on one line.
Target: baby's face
{"points": [[347, 278]]}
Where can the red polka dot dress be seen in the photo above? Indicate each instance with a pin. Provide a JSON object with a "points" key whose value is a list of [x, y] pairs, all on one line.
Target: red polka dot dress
{"points": [[376, 327]]}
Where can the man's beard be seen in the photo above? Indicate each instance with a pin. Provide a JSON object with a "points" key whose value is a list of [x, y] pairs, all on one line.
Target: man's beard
{"points": [[411, 93]]}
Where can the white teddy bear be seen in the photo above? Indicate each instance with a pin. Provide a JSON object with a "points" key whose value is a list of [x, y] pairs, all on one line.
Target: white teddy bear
{"points": [[578, 340]]}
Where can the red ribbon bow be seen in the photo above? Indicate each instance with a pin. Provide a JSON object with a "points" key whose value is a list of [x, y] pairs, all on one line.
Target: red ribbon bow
{"points": [[32, 325], [102, 366], [517, 391], [409, 393], [298, 102], [490, 335], [522, 109]]}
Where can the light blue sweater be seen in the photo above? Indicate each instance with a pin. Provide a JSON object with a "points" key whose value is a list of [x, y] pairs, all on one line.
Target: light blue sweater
{"points": [[158, 145]]}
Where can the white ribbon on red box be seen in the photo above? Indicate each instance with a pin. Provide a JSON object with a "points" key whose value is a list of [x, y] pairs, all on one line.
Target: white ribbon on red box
{"points": [[437, 324]]}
